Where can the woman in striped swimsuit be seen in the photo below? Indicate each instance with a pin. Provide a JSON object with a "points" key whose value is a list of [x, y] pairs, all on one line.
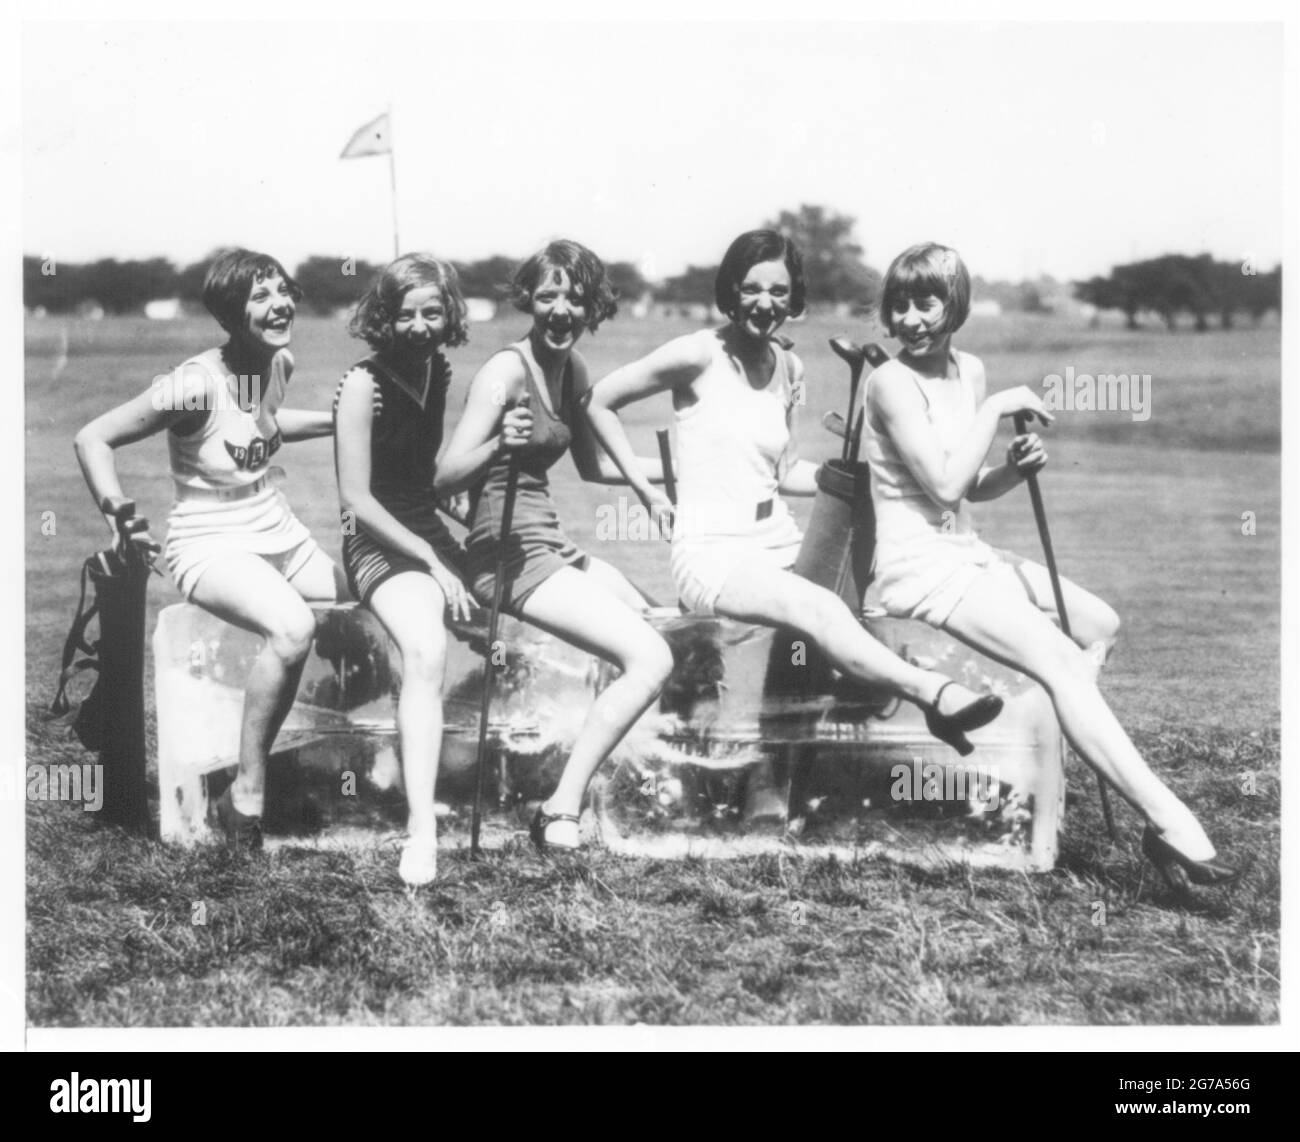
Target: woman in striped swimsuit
{"points": [[401, 560], [735, 390], [233, 546]]}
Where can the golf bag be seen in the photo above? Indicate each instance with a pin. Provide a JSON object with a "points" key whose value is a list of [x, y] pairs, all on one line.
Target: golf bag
{"points": [[110, 720]]}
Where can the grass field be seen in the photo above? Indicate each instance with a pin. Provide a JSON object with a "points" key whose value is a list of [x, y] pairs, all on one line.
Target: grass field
{"points": [[1147, 514]]}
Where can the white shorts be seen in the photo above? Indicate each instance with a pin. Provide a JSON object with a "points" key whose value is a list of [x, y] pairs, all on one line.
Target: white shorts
{"points": [[926, 580], [199, 532], [701, 566]]}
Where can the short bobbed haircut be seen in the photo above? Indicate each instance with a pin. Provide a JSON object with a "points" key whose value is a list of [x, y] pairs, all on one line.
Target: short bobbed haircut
{"points": [[586, 272], [230, 280], [747, 251], [379, 306], [927, 270]]}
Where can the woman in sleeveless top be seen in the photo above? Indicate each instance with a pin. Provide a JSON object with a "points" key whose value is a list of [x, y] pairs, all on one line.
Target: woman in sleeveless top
{"points": [[234, 547], [930, 426], [734, 391], [401, 560], [525, 404]]}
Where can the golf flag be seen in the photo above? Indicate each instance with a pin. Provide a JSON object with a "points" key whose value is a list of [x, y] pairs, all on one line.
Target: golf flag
{"points": [[375, 138]]}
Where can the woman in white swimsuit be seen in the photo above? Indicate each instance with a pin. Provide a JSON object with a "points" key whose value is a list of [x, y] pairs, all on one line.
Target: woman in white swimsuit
{"points": [[233, 546], [930, 425], [735, 390]]}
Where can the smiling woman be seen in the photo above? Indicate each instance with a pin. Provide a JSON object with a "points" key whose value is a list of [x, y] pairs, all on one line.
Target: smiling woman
{"points": [[523, 412], [735, 392], [233, 545]]}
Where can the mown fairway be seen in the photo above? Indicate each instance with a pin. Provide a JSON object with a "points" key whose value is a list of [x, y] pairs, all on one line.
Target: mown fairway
{"points": [[1148, 515]]}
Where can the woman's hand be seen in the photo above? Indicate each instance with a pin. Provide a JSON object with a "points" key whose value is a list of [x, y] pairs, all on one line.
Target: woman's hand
{"points": [[1027, 454], [453, 589], [517, 425], [455, 505], [1021, 399], [660, 508]]}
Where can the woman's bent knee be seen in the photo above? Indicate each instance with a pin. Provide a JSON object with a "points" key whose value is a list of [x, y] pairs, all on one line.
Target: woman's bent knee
{"points": [[292, 637], [652, 663]]}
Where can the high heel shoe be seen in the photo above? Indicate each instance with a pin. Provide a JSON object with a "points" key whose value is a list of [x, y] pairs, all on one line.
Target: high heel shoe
{"points": [[951, 728], [1205, 872], [537, 831]]}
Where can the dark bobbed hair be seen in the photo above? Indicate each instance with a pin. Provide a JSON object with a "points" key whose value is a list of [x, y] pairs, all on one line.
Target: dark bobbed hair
{"points": [[747, 251], [586, 272], [230, 280], [373, 318], [927, 270]]}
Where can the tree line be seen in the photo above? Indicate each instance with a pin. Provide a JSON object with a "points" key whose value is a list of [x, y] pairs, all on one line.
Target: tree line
{"points": [[328, 283], [835, 271], [1177, 284]]}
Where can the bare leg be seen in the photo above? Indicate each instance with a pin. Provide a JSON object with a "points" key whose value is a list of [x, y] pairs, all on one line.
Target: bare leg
{"points": [[246, 591], [775, 597], [577, 607], [1094, 625], [411, 607], [997, 619]]}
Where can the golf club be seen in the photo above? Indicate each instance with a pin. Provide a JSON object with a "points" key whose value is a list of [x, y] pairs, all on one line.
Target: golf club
{"points": [[1049, 557], [847, 351], [494, 619]]}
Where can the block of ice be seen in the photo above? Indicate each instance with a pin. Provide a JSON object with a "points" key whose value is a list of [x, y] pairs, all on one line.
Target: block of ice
{"points": [[754, 745]]}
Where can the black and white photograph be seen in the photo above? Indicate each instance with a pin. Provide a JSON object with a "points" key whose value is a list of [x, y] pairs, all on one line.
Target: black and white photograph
{"points": [[723, 522]]}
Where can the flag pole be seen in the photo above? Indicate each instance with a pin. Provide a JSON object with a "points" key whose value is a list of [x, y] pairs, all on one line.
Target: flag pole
{"points": [[392, 181]]}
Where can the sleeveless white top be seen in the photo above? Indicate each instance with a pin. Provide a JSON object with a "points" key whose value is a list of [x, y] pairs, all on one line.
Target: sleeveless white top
{"points": [[904, 511], [731, 445], [234, 445]]}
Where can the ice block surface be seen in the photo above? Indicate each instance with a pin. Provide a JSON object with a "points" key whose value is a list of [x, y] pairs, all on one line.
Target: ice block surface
{"points": [[755, 743]]}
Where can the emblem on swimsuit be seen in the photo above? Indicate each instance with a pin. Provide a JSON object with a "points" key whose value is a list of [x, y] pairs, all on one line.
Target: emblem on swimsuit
{"points": [[256, 454]]}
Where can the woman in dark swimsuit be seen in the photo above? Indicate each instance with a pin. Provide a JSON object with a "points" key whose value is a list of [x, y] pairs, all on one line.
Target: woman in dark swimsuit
{"points": [[525, 402], [401, 560]]}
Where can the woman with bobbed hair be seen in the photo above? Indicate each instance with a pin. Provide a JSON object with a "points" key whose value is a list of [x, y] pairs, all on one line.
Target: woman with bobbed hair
{"points": [[735, 391], [525, 403], [233, 545], [930, 424]]}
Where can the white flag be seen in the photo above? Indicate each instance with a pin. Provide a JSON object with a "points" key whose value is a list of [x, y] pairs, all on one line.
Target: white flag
{"points": [[375, 138]]}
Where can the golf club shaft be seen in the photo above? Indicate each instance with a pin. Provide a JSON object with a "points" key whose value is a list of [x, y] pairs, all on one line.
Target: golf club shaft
{"points": [[1040, 518], [494, 619], [666, 459], [1049, 557], [855, 376]]}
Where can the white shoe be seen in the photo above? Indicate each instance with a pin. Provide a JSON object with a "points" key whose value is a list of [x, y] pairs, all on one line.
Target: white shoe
{"points": [[419, 863]]}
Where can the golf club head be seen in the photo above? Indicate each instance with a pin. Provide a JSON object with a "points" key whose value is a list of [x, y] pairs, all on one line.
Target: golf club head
{"points": [[847, 351], [833, 422]]}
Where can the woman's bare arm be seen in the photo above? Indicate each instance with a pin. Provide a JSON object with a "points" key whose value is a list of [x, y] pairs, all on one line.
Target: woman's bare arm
{"points": [[671, 367], [480, 433]]}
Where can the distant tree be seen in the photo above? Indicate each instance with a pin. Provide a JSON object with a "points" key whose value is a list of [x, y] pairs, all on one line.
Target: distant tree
{"points": [[693, 286], [1260, 293], [190, 280], [832, 260], [488, 277], [331, 283], [124, 287], [1168, 285], [627, 280]]}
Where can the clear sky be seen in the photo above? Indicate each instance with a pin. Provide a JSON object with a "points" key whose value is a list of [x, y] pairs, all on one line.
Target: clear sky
{"points": [[1053, 148]]}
